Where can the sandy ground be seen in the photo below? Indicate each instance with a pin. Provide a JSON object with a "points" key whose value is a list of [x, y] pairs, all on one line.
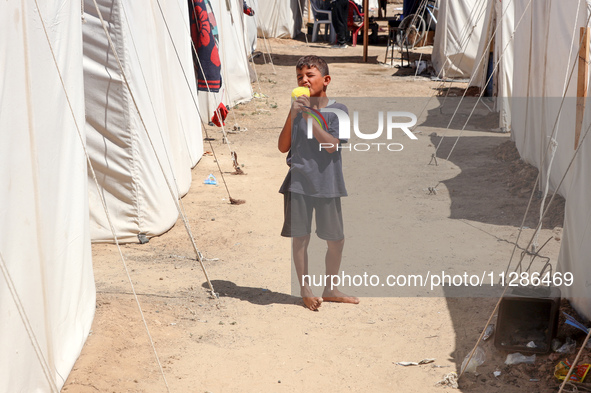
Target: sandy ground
{"points": [[257, 337]]}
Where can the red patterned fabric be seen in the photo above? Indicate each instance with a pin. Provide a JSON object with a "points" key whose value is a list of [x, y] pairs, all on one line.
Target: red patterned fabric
{"points": [[209, 77]]}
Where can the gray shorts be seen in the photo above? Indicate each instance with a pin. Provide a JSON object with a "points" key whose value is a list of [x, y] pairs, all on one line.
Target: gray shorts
{"points": [[298, 216]]}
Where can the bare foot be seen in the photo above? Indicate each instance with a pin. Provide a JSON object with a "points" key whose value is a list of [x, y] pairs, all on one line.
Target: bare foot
{"points": [[313, 303], [310, 301], [335, 295]]}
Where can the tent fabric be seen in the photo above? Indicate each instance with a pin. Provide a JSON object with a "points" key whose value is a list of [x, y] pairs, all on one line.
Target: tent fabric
{"points": [[505, 58], [576, 245], [499, 22], [181, 100], [234, 51], [128, 168], [478, 74], [45, 240], [279, 18], [539, 43], [250, 32], [457, 37], [546, 50]]}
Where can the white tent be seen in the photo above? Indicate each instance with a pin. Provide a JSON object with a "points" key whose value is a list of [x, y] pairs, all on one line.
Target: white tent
{"points": [[47, 292], [546, 50], [250, 31], [140, 153], [460, 25], [497, 34], [47, 307], [536, 50], [279, 18]]}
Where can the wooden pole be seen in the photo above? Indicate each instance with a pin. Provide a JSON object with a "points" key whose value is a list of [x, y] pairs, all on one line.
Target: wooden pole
{"points": [[309, 13], [582, 81], [365, 28]]}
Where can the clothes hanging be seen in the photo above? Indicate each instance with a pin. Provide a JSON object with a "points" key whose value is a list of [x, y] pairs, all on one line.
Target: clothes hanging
{"points": [[204, 36]]}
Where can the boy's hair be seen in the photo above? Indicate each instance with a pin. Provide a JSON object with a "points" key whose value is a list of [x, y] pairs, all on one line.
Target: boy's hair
{"points": [[313, 61]]}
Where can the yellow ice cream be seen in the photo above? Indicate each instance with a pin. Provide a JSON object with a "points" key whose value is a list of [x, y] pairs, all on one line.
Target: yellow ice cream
{"points": [[300, 91]]}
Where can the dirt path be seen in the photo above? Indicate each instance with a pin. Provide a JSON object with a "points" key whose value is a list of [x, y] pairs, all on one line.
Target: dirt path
{"points": [[257, 337]]}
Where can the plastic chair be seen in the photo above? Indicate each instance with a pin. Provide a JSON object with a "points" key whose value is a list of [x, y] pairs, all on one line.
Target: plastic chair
{"points": [[352, 25], [327, 21]]}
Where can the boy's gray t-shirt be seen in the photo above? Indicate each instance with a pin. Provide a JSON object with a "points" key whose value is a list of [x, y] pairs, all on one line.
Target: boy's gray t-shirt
{"points": [[312, 171]]}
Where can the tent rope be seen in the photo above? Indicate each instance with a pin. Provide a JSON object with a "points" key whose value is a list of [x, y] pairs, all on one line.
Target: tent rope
{"points": [[529, 73], [251, 59], [550, 146], [538, 228], [261, 95], [553, 142], [233, 154], [480, 94], [527, 247], [463, 42], [471, 80], [43, 362], [90, 166], [267, 46], [235, 32], [553, 147], [183, 217], [25, 320], [167, 155], [552, 137]]}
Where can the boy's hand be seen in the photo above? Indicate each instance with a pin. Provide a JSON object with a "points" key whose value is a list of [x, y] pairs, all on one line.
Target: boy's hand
{"points": [[300, 104]]}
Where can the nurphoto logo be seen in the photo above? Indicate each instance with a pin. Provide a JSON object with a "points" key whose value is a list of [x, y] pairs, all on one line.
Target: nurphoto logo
{"points": [[392, 120]]}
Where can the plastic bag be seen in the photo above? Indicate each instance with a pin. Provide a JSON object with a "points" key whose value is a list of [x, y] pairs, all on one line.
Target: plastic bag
{"points": [[578, 375], [517, 358], [478, 358], [490, 330], [568, 347], [211, 180]]}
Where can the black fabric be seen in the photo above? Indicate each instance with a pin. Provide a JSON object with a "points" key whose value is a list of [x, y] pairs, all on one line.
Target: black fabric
{"points": [[339, 20], [410, 7]]}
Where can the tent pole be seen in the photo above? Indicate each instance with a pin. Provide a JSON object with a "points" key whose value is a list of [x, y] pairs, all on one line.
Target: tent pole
{"points": [[365, 28], [582, 81]]}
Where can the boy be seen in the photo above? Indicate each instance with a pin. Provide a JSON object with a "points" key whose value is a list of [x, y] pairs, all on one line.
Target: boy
{"points": [[315, 179]]}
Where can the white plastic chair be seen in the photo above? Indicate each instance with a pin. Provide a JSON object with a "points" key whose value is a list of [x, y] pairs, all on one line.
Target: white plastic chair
{"points": [[327, 21]]}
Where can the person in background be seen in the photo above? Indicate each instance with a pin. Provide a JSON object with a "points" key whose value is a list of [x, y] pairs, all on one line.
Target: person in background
{"points": [[339, 21], [383, 5]]}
